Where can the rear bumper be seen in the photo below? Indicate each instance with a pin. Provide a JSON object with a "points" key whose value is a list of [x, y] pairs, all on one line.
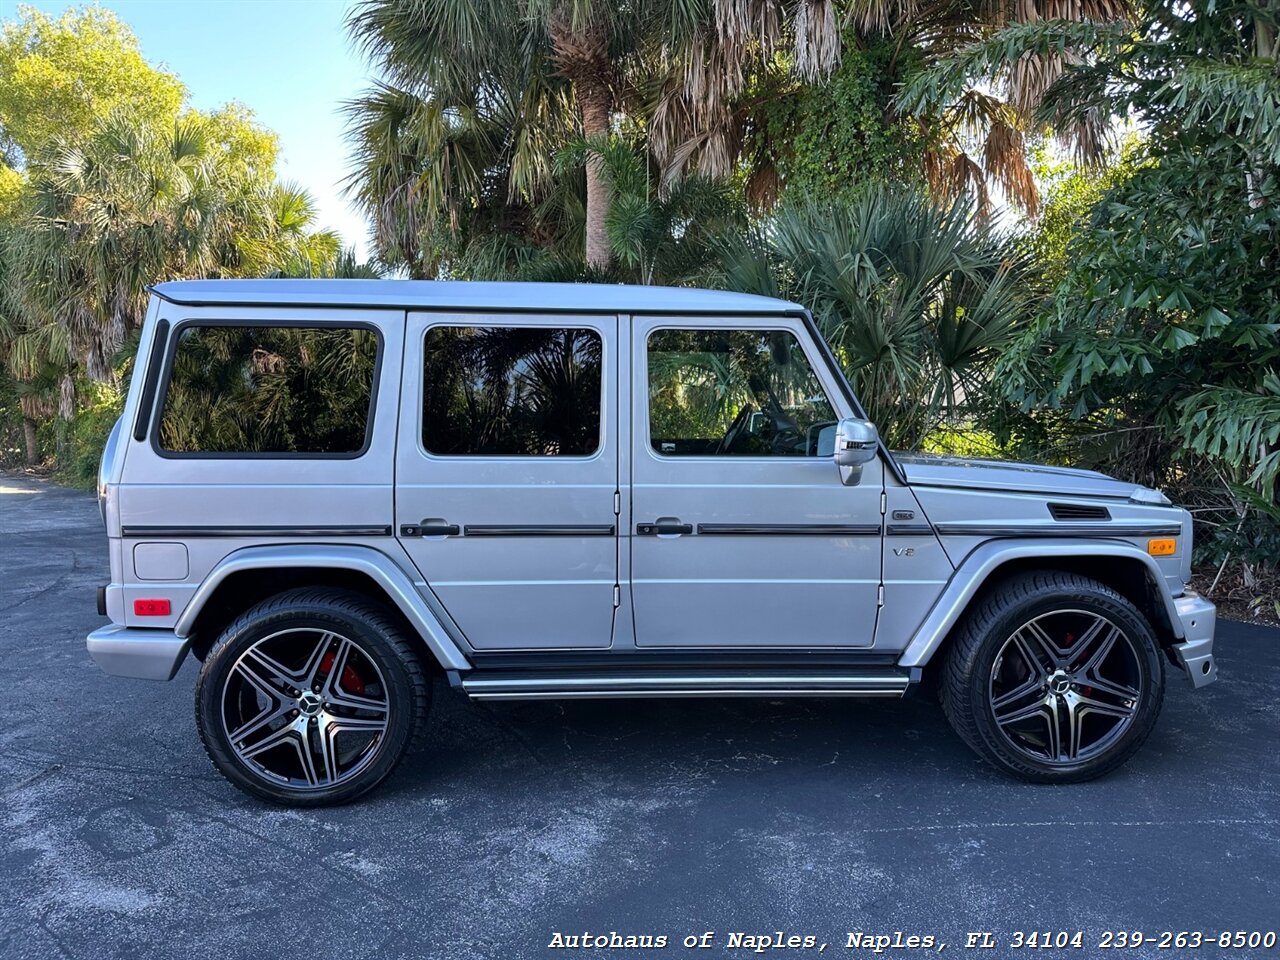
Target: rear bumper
{"points": [[144, 654], [1195, 652]]}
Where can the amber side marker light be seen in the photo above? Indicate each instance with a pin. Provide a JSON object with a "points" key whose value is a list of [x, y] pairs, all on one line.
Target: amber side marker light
{"points": [[1163, 546]]}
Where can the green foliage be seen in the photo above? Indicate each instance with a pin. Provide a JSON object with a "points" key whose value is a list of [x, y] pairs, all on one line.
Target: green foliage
{"points": [[59, 77], [119, 185], [1162, 340], [659, 233], [1073, 193], [81, 441], [831, 140]]}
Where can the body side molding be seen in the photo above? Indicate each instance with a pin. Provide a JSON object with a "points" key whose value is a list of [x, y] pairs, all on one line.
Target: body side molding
{"points": [[178, 533], [378, 566], [972, 573], [1059, 528]]}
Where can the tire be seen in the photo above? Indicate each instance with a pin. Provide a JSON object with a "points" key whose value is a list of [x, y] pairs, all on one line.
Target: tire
{"points": [[1088, 702], [311, 698]]}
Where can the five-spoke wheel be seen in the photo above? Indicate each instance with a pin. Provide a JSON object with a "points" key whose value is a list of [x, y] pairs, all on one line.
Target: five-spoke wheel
{"points": [[310, 698], [1054, 677], [305, 706], [1065, 685]]}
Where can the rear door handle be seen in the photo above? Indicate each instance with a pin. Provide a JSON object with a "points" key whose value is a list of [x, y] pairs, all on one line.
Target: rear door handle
{"points": [[430, 527], [664, 527]]}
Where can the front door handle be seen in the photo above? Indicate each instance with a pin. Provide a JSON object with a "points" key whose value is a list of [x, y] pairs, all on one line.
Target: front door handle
{"points": [[664, 527]]}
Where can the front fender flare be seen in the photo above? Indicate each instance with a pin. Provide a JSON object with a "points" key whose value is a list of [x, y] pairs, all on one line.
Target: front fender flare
{"points": [[978, 566], [376, 565]]}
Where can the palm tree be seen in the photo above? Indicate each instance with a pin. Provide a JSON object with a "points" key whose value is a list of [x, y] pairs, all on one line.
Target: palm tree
{"points": [[474, 87], [134, 204], [915, 300], [663, 233], [980, 128], [284, 241], [480, 97]]}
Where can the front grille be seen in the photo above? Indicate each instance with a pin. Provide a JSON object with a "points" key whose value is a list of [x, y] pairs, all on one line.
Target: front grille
{"points": [[1078, 511]]}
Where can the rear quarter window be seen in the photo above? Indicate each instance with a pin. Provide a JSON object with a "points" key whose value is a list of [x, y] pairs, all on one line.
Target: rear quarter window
{"points": [[269, 390]]}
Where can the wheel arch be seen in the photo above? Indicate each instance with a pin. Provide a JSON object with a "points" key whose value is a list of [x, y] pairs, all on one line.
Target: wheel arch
{"points": [[252, 574], [1121, 566]]}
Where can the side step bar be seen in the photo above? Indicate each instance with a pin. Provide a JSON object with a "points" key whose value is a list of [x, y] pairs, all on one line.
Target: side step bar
{"points": [[487, 685]]}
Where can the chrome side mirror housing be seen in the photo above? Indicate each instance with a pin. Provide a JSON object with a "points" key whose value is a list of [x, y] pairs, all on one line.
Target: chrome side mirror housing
{"points": [[856, 445]]}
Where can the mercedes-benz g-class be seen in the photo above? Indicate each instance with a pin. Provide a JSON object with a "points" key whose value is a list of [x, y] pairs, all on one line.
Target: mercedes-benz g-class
{"points": [[329, 491]]}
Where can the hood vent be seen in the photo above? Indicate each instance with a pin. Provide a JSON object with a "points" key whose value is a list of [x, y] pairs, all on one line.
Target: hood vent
{"points": [[1077, 511]]}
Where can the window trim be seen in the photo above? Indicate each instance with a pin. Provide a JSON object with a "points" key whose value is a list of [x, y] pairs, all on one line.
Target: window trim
{"points": [[151, 384], [647, 439], [602, 436], [170, 358]]}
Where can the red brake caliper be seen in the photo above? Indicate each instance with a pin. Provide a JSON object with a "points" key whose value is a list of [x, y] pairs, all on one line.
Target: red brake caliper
{"points": [[350, 679], [1088, 691]]}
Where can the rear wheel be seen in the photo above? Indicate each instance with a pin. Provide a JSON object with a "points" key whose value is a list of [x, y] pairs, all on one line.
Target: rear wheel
{"points": [[1054, 678], [310, 698]]}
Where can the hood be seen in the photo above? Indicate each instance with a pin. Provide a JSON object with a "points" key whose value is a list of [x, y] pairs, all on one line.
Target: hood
{"points": [[975, 474]]}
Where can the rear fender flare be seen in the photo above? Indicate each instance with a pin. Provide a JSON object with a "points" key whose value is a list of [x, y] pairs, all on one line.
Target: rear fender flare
{"points": [[380, 568]]}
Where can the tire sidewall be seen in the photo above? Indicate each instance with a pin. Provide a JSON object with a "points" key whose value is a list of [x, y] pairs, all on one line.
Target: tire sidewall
{"points": [[1150, 662], [239, 637]]}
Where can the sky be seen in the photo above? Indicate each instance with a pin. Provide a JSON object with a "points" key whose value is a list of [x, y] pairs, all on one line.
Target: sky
{"points": [[289, 61]]}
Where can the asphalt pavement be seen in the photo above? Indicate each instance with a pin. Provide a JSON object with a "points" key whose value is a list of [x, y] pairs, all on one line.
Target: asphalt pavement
{"points": [[669, 819]]}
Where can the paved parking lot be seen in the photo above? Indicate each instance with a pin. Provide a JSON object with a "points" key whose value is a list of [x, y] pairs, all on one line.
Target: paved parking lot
{"points": [[117, 839]]}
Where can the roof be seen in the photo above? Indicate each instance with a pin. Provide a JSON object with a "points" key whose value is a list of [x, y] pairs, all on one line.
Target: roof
{"points": [[468, 295]]}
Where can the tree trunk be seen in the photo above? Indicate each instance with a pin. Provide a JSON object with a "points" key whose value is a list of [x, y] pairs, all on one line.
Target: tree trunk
{"points": [[593, 101], [33, 446]]}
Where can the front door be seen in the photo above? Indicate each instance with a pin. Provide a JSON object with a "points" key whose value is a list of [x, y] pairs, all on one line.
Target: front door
{"points": [[742, 533], [507, 475]]}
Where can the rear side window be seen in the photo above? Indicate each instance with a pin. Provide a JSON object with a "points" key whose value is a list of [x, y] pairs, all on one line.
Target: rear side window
{"points": [[270, 390], [511, 391]]}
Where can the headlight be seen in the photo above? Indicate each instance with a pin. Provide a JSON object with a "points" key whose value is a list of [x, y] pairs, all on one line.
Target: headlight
{"points": [[1149, 496]]}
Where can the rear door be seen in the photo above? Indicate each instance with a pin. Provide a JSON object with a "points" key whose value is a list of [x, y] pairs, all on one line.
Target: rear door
{"points": [[507, 475], [743, 534]]}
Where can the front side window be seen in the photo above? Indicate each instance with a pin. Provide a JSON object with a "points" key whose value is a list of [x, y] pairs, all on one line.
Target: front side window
{"points": [[512, 391], [269, 390], [745, 393]]}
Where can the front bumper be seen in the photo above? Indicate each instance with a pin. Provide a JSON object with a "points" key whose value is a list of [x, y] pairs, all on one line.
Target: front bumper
{"points": [[145, 654], [1198, 617]]}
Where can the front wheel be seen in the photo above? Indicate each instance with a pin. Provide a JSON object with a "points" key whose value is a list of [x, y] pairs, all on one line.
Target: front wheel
{"points": [[1054, 678], [310, 698]]}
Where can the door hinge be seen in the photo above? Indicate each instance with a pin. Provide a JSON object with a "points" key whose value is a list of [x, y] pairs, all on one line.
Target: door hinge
{"points": [[617, 595], [617, 502], [880, 596], [884, 502]]}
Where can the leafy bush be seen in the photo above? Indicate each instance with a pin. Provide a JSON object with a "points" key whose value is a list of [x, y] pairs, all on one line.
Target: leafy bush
{"points": [[1158, 356]]}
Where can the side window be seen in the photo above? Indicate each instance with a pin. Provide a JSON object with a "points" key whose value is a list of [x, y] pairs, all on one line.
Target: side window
{"points": [[270, 390], [749, 393], [512, 391]]}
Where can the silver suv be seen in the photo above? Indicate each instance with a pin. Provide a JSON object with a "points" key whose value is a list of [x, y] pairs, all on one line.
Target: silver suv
{"points": [[328, 491]]}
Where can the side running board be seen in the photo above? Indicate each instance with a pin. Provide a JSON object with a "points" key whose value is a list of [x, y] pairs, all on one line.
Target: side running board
{"points": [[491, 685]]}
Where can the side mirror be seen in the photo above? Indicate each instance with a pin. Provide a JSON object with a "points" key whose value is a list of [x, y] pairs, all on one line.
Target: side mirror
{"points": [[856, 445]]}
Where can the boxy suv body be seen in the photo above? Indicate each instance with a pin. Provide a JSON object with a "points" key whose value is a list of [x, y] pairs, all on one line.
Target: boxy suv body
{"points": [[327, 491]]}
